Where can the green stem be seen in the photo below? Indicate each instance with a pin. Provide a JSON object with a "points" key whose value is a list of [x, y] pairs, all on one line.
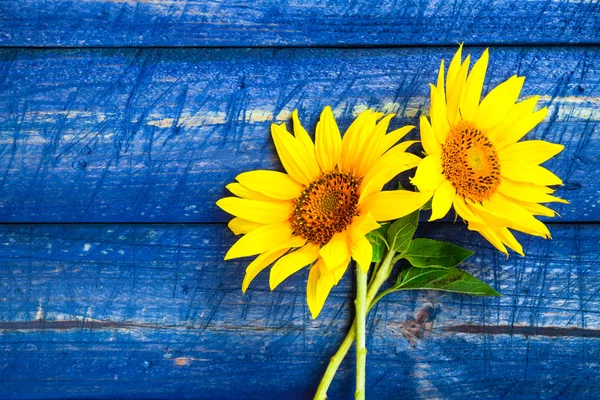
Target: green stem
{"points": [[381, 275], [361, 318]]}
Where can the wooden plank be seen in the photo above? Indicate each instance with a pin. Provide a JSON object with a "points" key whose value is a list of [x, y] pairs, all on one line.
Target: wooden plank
{"points": [[130, 135], [295, 23], [152, 311]]}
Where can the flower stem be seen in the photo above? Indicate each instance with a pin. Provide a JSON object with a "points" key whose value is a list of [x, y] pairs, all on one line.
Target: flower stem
{"points": [[379, 278], [361, 317]]}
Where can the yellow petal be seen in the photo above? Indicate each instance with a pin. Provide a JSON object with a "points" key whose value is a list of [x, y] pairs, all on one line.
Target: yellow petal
{"points": [[394, 137], [454, 91], [363, 224], [518, 111], [271, 183], [465, 212], [239, 226], [442, 200], [318, 287], [509, 240], [453, 68], [355, 137], [303, 137], [292, 263], [439, 118], [491, 218], [262, 239], [538, 209], [520, 128], [520, 219], [496, 105], [362, 252], [490, 236], [528, 192], [530, 151], [430, 144], [524, 172], [296, 160], [328, 141], [260, 263], [377, 178], [429, 175], [337, 251], [473, 87], [263, 212], [385, 206], [370, 151], [241, 191]]}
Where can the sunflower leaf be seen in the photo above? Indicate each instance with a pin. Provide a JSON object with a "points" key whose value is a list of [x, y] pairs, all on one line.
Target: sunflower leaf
{"points": [[448, 280], [378, 240], [401, 231], [424, 253]]}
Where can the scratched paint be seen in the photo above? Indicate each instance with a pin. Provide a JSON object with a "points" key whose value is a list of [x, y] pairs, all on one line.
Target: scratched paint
{"points": [[170, 314], [297, 23], [178, 125]]}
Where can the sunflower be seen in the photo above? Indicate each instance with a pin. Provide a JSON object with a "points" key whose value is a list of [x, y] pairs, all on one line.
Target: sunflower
{"points": [[319, 212], [475, 161]]}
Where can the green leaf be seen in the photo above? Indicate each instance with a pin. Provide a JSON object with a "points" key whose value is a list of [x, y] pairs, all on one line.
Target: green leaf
{"points": [[448, 280], [378, 240], [401, 232], [425, 253]]}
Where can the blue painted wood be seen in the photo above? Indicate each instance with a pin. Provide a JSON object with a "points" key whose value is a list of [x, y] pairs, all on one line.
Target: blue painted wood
{"points": [[151, 311], [295, 23], [131, 135]]}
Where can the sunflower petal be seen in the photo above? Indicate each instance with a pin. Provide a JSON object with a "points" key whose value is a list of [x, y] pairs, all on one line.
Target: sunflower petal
{"points": [[271, 183], [442, 200], [520, 128], [519, 110], [362, 252], [262, 239], [355, 137], [520, 219], [263, 212], [439, 118], [509, 240], [318, 287], [370, 151], [302, 136], [429, 175], [328, 141], [524, 172], [241, 191], [239, 226], [473, 88], [388, 205], [430, 144], [499, 101], [465, 212], [259, 264], [296, 160], [292, 263], [490, 237], [528, 192], [377, 178], [530, 151], [394, 137], [454, 91], [337, 251]]}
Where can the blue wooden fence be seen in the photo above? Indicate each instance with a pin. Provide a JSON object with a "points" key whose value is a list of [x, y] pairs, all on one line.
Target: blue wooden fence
{"points": [[120, 124]]}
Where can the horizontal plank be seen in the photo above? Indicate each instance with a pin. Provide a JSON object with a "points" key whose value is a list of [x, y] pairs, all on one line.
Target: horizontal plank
{"points": [[152, 311], [129, 135], [295, 23]]}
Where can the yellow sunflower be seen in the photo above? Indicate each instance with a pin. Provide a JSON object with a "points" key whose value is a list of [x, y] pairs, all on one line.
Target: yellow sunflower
{"points": [[319, 212], [475, 161]]}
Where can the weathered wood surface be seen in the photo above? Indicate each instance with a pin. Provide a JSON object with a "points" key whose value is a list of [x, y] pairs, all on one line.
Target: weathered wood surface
{"points": [[151, 311], [295, 23], [132, 135]]}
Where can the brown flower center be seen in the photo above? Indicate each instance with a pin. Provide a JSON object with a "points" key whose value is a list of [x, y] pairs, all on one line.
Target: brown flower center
{"points": [[326, 207], [470, 162]]}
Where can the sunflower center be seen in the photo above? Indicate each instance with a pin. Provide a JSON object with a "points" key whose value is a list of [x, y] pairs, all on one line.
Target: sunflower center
{"points": [[326, 207], [470, 162]]}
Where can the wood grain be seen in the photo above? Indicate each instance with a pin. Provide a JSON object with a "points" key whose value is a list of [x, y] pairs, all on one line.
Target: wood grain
{"points": [[134, 135], [296, 23], [151, 311]]}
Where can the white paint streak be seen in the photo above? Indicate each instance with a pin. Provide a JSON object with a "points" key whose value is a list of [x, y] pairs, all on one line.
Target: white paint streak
{"points": [[87, 247]]}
